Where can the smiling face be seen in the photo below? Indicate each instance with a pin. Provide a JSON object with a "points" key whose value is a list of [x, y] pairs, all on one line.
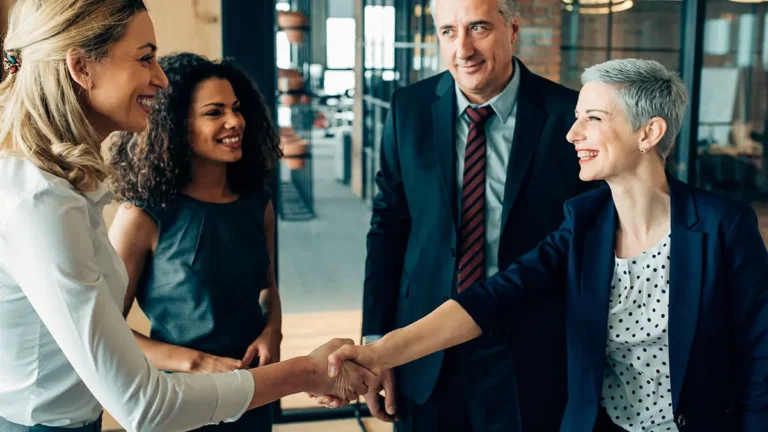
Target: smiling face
{"points": [[216, 124], [476, 43], [602, 136], [124, 84]]}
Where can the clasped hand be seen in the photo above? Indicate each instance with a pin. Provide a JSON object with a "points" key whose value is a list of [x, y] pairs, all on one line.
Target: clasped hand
{"points": [[363, 357]]}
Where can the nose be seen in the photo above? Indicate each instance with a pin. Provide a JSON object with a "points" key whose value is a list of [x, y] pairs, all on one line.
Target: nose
{"points": [[234, 121], [466, 47], [158, 78], [575, 135]]}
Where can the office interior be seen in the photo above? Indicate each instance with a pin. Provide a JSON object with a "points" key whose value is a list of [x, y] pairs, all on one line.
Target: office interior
{"points": [[328, 67]]}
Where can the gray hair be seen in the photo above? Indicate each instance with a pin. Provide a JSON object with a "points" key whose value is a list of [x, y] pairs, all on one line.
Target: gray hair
{"points": [[507, 8], [646, 89]]}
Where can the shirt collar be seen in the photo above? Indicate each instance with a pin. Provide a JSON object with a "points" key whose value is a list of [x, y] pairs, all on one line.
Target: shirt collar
{"points": [[100, 195], [502, 103]]}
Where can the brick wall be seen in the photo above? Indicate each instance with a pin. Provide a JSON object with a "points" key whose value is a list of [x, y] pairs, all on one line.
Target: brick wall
{"points": [[540, 36]]}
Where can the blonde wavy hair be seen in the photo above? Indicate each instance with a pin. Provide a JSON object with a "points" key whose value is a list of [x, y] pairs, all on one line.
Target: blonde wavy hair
{"points": [[41, 116]]}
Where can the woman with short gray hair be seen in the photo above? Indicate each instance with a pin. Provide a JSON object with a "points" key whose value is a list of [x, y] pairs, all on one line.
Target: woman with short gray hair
{"points": [[664, 284]]}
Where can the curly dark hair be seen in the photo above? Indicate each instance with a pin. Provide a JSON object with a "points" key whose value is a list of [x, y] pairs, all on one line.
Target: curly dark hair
{"points": [[151, 168]]}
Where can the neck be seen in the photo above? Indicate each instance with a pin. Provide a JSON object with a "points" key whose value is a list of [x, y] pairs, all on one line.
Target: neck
{"points": [[642, 201], [483, 96], [209, 181]]}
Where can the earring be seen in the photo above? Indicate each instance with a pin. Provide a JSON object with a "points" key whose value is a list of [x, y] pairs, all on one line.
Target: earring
{"points": [[642, 150]]}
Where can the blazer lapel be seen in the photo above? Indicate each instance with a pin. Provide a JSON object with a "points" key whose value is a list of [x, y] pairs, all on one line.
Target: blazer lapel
{"points": [[444, 139], [595, 287], [686, 268], [529, 122]]}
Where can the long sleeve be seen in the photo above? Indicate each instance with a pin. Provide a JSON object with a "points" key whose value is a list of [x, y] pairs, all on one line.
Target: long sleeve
{"points": [[48, 245], [387, 237], [747, 262], [493, 304]]}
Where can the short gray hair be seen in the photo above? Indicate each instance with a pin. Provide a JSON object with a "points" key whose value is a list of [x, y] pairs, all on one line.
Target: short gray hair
{"points": [[646, 89], [507, 9]]}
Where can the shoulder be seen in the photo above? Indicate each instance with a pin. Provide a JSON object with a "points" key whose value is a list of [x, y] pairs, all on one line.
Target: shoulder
{"points": [[719, 210], [425, 90], [21, 181], [555, 97]]}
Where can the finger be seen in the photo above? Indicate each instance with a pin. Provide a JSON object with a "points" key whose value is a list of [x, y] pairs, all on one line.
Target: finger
{"points": [[264, 358], [250, 354], [356, 381], [389, 394], [337, 358], [374, 405]]}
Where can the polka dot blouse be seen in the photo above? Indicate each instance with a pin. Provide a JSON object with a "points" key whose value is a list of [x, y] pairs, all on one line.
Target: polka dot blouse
{"points": [[636, 388]]}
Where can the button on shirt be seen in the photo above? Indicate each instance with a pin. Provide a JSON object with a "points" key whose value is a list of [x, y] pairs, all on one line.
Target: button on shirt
{"points": [[499, 131], [66, 349], [637, 392]]}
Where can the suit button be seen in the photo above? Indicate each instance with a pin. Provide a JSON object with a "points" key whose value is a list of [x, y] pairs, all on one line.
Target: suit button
{"points": [[453, 253], [680, 420]]}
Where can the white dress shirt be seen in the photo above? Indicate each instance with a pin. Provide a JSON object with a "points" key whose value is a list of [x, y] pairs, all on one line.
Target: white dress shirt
{"points": [[66, 349], [637, 392]]}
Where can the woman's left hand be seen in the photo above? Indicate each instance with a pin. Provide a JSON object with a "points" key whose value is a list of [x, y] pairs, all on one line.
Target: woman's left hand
{"points": [[266, 347]]}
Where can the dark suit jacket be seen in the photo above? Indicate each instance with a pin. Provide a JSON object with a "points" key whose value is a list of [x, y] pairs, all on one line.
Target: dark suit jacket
{"points": [[412, 242], [718, 308]]}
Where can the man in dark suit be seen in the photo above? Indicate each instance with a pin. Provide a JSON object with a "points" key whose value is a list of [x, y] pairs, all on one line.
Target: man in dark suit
{"points": [[474, 172]]}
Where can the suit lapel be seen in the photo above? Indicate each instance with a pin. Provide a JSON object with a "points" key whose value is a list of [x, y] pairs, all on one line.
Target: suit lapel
{"points": [[686, 268], [595, 287], [529, 122], [444, 139]]}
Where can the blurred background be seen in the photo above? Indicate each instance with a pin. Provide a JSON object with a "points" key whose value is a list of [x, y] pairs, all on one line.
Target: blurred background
{"points": [[328, 68]]}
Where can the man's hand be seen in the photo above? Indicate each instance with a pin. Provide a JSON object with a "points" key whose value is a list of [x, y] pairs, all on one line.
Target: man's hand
{"points": [[266, 347], [349, 380]]}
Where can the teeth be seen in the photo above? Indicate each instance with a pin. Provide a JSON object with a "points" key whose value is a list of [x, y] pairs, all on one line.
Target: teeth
{"points": [[587, 154], [147, 102], [232, 140]]}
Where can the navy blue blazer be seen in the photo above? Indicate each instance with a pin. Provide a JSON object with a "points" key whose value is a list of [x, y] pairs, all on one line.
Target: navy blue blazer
{"points": [[718, 308]]}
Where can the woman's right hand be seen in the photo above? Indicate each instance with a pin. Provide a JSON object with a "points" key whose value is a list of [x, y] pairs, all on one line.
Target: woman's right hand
{"points": [[207, 363]]}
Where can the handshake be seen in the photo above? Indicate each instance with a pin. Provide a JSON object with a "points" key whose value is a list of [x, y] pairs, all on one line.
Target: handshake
{"points": [[347, 371]]}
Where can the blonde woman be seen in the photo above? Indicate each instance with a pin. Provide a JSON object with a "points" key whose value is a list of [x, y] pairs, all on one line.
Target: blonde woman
{"points": [[76, 71]]}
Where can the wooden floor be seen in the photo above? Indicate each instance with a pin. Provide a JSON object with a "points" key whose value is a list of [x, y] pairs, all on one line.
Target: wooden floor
{"points": [[371, 425]]}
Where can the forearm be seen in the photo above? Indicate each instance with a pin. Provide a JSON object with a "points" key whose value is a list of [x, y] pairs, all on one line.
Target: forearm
{"points": [[447, 326], [272, 307], [285, 378], [168, 357]]}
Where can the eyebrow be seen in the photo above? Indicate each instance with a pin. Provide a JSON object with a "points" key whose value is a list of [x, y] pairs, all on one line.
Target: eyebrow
{"points": [[592, 110], [219, 104], [149, 45]]}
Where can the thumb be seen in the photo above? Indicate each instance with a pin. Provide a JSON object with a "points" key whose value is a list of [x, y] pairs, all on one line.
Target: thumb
{"points": [[337, 358], [263, 357]]}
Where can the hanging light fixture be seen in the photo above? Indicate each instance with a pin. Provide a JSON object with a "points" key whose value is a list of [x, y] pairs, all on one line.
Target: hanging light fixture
{"points": [[597, 7]]}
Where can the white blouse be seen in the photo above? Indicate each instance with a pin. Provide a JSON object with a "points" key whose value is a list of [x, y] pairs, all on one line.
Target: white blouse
{"points": [[66, 349], [637, 392]]}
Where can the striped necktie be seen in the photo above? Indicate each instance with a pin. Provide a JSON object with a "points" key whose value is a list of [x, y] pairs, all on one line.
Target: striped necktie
{"points": [[472, 250]]}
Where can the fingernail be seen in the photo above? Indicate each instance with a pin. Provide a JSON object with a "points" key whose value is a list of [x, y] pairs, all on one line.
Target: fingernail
{"points": [[324, 401], [390, 410], [334, 404], [332, 371]]}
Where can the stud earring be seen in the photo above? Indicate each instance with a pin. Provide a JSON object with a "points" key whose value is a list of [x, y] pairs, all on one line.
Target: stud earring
{"points": [[642, 150]]}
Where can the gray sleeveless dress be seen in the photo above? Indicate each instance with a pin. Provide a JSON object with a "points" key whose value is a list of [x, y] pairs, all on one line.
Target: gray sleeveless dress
{"points": [[201, 287]]}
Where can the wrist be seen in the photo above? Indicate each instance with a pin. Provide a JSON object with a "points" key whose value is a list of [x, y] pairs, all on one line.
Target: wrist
{"points": [[313, 370], [194, 362], [273, 330]]}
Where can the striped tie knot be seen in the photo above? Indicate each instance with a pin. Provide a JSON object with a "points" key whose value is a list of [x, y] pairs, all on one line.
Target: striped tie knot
{"points": [[480, 115]]}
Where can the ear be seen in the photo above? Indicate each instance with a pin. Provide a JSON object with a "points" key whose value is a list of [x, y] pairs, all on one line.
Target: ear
{"points": [[78, 67], [652, 133], [515, 25]]}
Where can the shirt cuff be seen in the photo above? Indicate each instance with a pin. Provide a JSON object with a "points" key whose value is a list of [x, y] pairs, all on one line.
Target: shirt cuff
{"points": [[372, 338], [235, 392]]}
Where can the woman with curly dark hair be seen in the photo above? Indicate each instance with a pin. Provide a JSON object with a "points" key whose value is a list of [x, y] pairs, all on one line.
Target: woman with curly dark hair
{"points": [[196, 232]]}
